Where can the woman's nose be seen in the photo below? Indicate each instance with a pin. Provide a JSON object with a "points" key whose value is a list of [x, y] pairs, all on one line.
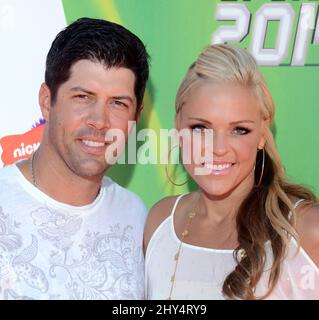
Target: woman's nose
{"points": [[220, 144]]}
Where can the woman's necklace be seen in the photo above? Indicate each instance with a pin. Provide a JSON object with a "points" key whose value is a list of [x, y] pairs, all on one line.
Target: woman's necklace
{"points": [[240, 253], [185, 233]]}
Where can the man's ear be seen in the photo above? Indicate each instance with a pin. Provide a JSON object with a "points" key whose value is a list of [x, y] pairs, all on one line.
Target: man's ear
{"points": [[45, 101], [136, 120], [139, 113]]}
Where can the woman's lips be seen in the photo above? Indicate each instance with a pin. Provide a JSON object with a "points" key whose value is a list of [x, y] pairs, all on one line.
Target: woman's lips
{"points": [[218, 168]]}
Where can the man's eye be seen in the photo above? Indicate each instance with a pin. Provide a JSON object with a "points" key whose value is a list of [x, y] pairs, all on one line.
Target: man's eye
{"points": [[241, 131], [118, 103], [82, 97]]}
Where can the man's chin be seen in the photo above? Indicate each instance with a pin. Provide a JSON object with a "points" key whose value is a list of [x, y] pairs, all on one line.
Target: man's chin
{"points": [[92, 170]]}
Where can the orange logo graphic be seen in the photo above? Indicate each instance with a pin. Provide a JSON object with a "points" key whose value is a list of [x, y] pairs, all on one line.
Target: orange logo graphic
{"points": [[20, 146]]}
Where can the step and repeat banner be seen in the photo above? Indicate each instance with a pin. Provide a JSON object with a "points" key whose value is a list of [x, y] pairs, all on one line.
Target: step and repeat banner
{"points": [[282, 35]]}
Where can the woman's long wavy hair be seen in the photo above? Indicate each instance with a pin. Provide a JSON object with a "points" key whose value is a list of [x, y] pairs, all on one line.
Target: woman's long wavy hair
{"points": [[265, 213]]}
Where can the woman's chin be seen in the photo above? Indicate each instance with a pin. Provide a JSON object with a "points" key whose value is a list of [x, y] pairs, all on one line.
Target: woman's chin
{"points": [[215, 192]]}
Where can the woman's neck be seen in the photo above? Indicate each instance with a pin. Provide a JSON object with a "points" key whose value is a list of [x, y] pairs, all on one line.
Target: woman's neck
{"points": [[224, 208]]}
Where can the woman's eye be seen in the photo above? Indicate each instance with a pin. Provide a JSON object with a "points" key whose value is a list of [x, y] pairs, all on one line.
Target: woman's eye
{"points": [[241, 131], [198, 128]]}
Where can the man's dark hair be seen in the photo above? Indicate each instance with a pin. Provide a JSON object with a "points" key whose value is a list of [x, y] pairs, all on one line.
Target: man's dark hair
{"points": [[96, 40]]}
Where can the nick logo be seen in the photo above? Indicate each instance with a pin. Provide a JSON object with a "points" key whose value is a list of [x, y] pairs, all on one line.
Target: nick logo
{"points": [[20, 146]]}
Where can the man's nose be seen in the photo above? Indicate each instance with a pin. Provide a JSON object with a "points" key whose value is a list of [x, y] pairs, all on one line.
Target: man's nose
{"points": [[99, 117]]}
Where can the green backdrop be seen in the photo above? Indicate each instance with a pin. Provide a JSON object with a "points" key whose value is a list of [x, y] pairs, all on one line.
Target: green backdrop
{"points": [[175, 31]]}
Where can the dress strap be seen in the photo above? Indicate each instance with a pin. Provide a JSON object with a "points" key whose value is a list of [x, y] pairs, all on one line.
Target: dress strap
{"points": [[176, 203]]}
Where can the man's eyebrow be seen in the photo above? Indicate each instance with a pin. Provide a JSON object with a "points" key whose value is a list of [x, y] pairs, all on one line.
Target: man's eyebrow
{"points": [[121, 97], [78, 88]]}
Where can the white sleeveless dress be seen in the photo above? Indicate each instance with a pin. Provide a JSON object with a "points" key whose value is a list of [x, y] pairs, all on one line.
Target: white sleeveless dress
{"points": [[201, 271]]}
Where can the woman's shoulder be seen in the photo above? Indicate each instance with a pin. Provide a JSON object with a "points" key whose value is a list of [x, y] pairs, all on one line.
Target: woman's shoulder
{"points": [[308, 229], [161, 210], [157, 214], [308, 220]]}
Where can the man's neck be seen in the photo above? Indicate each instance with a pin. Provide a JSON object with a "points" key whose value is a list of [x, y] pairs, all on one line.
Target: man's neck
{"points": [[58, 181]]}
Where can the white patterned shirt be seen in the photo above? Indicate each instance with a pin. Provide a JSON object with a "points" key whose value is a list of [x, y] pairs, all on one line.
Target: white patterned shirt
{"points": [[51, 250]]}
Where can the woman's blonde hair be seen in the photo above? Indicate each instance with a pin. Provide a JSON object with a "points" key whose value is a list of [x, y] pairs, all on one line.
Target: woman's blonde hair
{"points": [[264, 214]]}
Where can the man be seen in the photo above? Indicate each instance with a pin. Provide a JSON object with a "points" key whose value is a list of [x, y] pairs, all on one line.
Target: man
{"points": [[66, 231]]}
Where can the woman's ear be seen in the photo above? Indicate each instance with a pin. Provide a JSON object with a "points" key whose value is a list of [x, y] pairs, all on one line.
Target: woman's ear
{"points": [[263, 139], [262, 142], [45, 101]]}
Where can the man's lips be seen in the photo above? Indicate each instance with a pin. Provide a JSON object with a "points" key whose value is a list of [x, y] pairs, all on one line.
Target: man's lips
{"points": [[93, 143], [92, 140], [95, 146]]}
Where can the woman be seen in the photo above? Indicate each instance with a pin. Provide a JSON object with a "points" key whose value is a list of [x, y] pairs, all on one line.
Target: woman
{"points": [[246, 233]]}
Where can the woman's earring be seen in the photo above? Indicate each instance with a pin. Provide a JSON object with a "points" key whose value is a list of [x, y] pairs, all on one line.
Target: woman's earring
{"points": [[262, 166], [167, 174]]}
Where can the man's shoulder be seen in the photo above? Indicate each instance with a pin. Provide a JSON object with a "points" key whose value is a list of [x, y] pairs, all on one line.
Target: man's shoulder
{"points": [[11, 186], [8, 174], [123, 196]]}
